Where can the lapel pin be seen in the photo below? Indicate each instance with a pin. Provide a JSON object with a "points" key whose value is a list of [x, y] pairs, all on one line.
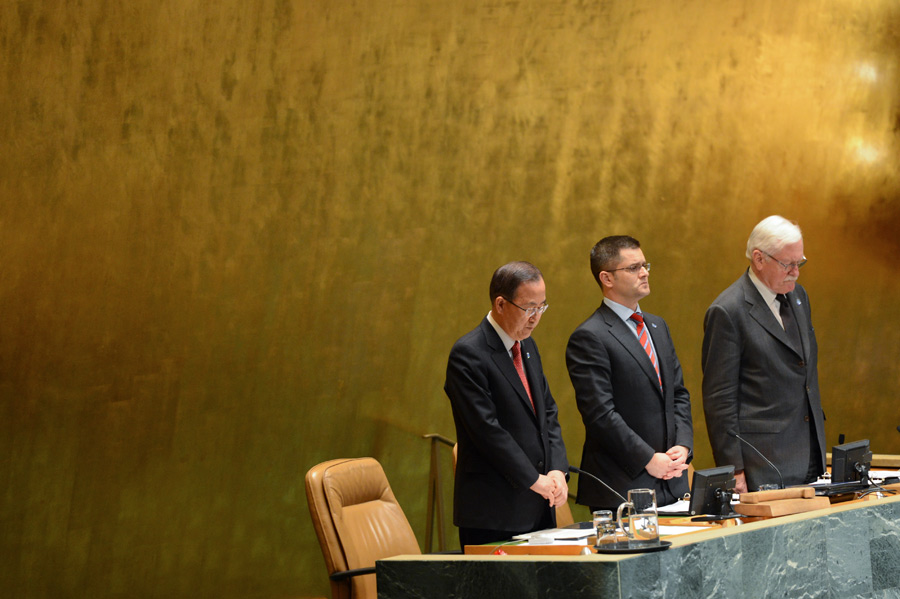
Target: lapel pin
{"points": [[527, 355]]}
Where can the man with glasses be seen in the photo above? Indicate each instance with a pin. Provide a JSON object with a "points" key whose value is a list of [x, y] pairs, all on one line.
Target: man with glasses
{"points": [[628, 386], [760, 367], [511, 465]]}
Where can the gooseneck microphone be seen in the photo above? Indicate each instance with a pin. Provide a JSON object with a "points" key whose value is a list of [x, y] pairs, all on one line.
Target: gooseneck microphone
{"points": [[759, 453], [588, 474]]}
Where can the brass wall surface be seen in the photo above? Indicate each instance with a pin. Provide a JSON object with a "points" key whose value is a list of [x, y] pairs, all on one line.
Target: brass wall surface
{"points": [[239, 239]]}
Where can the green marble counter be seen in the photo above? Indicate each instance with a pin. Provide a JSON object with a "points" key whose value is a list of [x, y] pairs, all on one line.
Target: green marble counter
{"points": [[849, 550]]}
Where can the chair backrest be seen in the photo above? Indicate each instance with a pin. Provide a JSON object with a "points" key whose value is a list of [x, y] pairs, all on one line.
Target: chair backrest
{"points": [[357, 520], [564, 515], [455, 453]]}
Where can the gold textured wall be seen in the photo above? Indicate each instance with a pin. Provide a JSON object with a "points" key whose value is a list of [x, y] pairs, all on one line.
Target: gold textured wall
{"points": [[239, 238]]}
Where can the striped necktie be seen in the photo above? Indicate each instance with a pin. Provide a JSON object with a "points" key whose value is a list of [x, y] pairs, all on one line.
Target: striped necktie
{"points": [[644, 339]]}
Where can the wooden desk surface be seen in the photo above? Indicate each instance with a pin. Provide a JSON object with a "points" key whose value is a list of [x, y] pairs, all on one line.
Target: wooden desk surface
{"points": [[704, 531]]}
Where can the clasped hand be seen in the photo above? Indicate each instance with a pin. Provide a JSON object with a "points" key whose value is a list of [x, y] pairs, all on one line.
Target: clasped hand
{"points": [[670, 464], [552, 487]]}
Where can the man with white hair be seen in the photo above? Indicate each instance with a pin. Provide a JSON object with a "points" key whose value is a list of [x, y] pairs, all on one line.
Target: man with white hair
{"points": [[760, 367]]}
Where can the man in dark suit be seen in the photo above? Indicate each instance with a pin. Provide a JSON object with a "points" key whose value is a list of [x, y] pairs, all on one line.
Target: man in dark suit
{"points": [[511, 466], [628, 386], [760, 366]]}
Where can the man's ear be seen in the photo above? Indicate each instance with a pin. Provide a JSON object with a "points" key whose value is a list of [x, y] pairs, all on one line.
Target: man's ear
{"points": [[757, 258], [605, 279]]}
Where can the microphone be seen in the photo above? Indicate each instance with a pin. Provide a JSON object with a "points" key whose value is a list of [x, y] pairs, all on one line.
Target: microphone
{"points": [[585, 472], [751, 446], [841, 439], [898, 429]]}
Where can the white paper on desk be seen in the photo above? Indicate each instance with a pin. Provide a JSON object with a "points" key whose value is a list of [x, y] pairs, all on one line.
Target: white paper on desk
{"points": [[559, 534], [557, 543], [679, 507]]}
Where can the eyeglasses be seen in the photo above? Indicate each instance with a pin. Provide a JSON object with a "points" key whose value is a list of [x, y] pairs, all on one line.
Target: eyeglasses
{"points": [[531, 312], [787, 267], [633, 269]]}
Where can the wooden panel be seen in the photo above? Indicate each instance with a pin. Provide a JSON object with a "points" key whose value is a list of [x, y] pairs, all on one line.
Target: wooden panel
{"points": [[782, 507], [239, 239]]}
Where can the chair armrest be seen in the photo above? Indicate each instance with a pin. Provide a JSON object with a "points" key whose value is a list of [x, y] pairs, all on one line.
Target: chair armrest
{"points": [[337, 576], [351, 573]]}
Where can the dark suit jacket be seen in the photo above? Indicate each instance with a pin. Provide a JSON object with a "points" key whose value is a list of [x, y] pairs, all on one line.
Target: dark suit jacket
{"points": [[627, 418], [503, 445], [756, 384]]}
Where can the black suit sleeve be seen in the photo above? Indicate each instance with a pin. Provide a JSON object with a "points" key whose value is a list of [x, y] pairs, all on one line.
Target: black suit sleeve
{"points": [[684, 424], [589, 366], [468, 386], [721, 361], [557, 456]]}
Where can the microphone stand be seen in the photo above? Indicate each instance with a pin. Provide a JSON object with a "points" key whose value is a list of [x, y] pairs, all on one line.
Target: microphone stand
{"points": [[580, 471], [759, 453]]}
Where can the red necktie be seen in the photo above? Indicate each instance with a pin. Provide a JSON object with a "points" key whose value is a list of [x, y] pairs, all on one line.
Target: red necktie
{"points": [[644, 339], [520, 368]]}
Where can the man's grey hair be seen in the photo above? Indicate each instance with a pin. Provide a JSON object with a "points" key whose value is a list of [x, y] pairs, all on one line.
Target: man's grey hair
{"points": [[507, 279], [772, 234]]}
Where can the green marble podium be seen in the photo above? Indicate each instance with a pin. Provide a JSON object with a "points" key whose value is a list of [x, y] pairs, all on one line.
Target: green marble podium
{"points": [[848, 550]]}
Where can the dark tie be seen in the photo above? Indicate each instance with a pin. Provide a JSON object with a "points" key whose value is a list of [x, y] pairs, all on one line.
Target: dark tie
{"points": [[520, 368], [787, 319], [644, 339]]}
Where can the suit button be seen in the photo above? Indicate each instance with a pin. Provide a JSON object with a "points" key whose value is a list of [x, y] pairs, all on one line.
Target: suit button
{"points": [[540, 465], [806, 418], [802, 363]]}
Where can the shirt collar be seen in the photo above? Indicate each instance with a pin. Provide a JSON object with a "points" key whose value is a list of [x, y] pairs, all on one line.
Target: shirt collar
{"points": [[767, 294], [623, 312], [504, 337]]}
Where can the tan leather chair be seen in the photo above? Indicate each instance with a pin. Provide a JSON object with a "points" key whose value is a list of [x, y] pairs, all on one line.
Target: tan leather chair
{"points": [[358, 521], [564, 515]]}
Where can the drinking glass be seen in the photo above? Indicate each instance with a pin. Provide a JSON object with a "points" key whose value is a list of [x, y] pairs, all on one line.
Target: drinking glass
{"points": [[605, 527], [643, 519]]}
